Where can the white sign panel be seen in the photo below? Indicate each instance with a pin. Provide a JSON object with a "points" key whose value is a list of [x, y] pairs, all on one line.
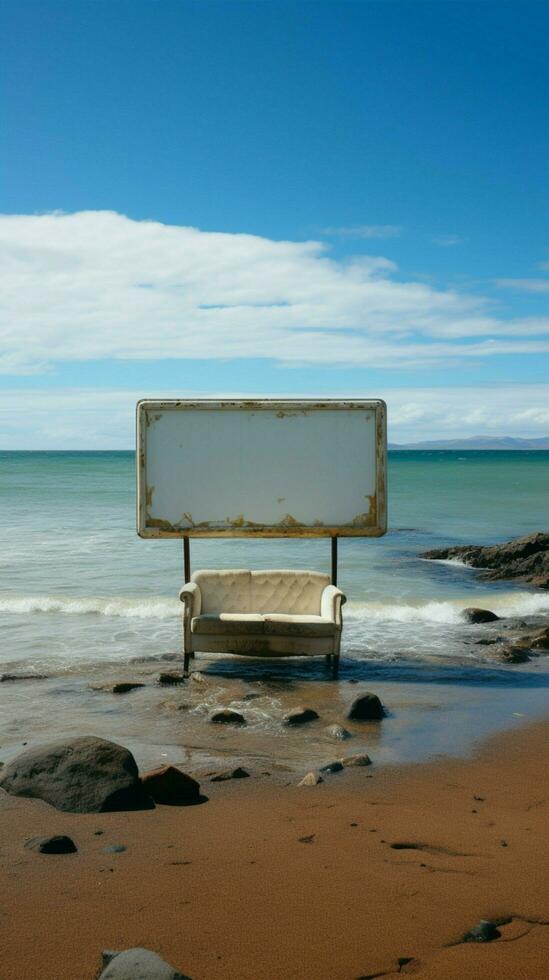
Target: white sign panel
{"points": [[261, 468]]}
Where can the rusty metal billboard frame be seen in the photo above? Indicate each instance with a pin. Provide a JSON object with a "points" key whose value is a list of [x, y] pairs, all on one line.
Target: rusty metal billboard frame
{"points": [[375, 526]]}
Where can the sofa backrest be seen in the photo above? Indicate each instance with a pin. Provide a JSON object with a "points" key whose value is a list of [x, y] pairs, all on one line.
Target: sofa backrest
{"points": [[277, 590], [283, 590], [224, 590]]}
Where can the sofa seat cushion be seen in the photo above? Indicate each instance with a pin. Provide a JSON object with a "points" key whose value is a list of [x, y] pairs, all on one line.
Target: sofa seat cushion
{"points": [[284, 624], [228, 624]]}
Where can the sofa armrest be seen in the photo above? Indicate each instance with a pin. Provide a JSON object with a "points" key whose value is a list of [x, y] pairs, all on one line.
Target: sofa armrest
{"points": [[331, 602], [191, 597]]}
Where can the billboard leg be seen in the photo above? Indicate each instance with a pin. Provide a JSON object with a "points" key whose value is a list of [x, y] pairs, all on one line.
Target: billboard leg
{"points": [[334, 560], [187, 559]]}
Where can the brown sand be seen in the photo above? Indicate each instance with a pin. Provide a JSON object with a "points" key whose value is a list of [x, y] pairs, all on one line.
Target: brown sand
{"points": [[267, 881]]}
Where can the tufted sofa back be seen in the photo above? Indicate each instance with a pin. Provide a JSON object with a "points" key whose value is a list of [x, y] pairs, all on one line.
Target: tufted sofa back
{"points": [[287, 591], [273, 591], [224, 590]]}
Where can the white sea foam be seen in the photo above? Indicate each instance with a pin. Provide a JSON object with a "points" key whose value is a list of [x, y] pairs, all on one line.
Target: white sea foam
{"points": [[450, 561], [154, 607], [449, 612], [162, 608]]}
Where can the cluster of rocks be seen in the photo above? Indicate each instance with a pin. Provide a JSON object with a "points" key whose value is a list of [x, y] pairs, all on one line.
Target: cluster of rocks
{"points": [[315, 777], [367, 707], [522, 559], [525, 559], [92, 775], [168, 678], [518, 647]]}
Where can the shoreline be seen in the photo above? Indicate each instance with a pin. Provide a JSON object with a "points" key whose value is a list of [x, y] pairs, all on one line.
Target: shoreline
{"points": [[265, 882]]}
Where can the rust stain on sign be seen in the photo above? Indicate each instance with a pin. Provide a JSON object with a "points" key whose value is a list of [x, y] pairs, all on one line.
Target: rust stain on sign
{"points": [[160, 523], [149, 496]]}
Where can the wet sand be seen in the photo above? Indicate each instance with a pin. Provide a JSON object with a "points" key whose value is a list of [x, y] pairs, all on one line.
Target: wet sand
{"points": [[267, 880]]}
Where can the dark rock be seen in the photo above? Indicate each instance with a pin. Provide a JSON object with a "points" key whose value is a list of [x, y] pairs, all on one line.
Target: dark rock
{"points": [[337, 732], [473, 615], [137, 964], [514, 655], [59, 844], [300, 716], [114, 849], [526, 559], [336, 766], [221, 777], [122, 687], [23, 677], [367, 707], [170, 786], [227, 717], [79, 775], [171, 677], [483, 932], [356, 760], [539, 640]]}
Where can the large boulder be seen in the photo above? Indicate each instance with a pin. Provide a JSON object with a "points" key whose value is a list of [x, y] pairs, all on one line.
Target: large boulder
{"points": [[526, 558], [137, 964], [367, 707], [474, 615], [78, 775]]}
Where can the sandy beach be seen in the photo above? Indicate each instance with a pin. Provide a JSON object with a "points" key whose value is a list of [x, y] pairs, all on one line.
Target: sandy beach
{"points": [[377, 871]]}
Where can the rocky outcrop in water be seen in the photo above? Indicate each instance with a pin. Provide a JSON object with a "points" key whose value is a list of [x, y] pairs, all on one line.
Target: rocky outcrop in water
{"points": [[78, 775], [474, 615], [518, 648], [525, 559]]}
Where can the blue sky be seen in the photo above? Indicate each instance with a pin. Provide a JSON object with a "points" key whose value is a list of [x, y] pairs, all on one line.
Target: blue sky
{"points": [[274, 198]]}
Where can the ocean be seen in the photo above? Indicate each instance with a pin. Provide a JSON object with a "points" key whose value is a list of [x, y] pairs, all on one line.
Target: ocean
{"points": [[84, 601]]}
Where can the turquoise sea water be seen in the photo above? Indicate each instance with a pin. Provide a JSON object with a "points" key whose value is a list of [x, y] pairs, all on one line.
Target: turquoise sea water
{"points": [[81, 596]]}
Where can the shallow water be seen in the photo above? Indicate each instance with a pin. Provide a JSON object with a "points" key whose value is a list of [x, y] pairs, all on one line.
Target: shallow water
{"points": [[84, 600]]}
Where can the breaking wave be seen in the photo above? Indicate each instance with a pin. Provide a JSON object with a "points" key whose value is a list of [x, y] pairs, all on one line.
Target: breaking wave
{"points": [[154, 607], [449, 612], [162, 608]]}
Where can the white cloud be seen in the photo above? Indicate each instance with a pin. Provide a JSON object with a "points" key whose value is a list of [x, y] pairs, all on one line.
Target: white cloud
{"points": [[365, 231], [524, 285], [447, 241], [104, 419], [98, 285]]}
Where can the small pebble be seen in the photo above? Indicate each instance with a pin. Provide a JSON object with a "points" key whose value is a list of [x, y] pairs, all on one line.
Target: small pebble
{"points": [[483, 932]]}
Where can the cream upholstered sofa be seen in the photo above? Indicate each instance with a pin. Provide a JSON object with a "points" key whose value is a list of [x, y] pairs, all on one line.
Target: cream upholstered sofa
{"points": [[274, 613]]}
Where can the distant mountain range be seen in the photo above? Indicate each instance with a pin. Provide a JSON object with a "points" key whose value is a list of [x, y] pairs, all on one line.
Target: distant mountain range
{"points": [[476, 442]]}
